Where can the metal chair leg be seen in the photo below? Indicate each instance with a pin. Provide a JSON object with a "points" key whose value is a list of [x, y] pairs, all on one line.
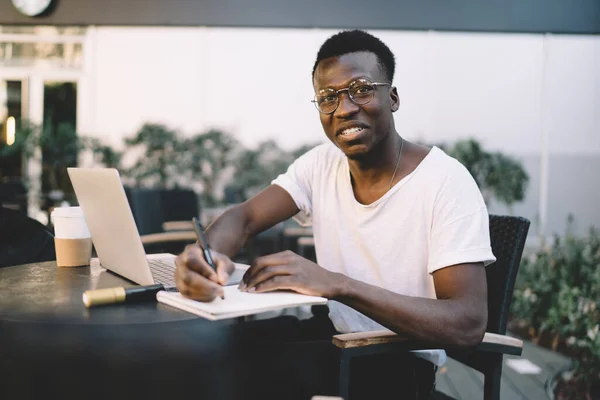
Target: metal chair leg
{"points": [[493, 378], [344, 382]]}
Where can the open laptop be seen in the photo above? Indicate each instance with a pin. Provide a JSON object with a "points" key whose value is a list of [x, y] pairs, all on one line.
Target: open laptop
{"points": [[116, 239]]}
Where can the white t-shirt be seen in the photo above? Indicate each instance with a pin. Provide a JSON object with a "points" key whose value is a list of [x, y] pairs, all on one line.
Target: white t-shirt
{"points": [[433, 218]]}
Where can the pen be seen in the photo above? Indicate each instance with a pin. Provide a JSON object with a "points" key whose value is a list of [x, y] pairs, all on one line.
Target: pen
{"points": [[115, 295], [205, 249], [204, 243]]}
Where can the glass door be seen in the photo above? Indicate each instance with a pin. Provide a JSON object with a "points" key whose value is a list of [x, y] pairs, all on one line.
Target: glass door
{"points": [[41, 69], [59, 140], [13, 109]]}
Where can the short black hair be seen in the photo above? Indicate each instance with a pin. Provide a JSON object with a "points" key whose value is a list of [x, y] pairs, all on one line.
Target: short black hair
{"points": [[354, 41]]}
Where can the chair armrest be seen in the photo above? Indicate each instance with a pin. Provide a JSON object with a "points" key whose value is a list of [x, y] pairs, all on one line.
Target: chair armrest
{"points": [[306, 241], [167, 237], [491, 342], [178, 226], [360, 339], [297, 231]]}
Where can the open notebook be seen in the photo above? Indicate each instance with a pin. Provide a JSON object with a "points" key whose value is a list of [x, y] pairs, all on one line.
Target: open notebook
{"points": [[237, 304]]}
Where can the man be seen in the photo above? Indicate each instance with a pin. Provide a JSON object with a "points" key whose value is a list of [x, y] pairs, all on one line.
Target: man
{"points": [[401, 229]]}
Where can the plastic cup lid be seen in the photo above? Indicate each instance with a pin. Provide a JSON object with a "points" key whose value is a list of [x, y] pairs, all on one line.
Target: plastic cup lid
{"points": [[67, 212]]}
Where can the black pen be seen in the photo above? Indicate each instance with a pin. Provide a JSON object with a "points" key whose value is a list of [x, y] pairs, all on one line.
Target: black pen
{"points": [[205, 249], [115, 295]]}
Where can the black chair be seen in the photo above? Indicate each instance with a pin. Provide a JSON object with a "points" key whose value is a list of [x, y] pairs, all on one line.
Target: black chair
{"points": [[179, 205], [267, 242], [23, 240], [146, 208], [13, 194], [508, 235], [234, 195], [163, 217]]}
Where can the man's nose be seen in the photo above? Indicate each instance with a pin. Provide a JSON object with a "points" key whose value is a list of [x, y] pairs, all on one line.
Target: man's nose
{"points": [[346, 106]]}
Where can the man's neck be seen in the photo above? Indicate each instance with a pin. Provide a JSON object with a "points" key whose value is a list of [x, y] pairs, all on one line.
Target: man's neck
{"points": [[378, 166]]}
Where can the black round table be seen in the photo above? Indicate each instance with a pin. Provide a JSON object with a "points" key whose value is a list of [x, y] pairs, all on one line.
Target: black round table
{"points": [[51, 346], [47, 294]]}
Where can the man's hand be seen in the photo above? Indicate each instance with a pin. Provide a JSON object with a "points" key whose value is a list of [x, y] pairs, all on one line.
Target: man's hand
{"points": [[288, 271], [196, 279]]}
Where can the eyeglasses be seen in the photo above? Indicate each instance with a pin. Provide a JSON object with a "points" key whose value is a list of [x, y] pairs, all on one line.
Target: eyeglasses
{"points": [[360, 91]]}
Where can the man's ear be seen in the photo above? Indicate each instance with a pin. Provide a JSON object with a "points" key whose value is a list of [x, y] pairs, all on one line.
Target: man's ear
{"points": [[394, 99]]}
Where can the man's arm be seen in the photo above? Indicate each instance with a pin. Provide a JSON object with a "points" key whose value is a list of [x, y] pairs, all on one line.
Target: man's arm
{"points": [[457, 318], [228, 233]]}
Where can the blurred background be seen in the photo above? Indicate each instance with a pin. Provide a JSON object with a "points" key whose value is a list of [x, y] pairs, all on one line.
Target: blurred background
{"points": [[213, 98], [518, 78]]}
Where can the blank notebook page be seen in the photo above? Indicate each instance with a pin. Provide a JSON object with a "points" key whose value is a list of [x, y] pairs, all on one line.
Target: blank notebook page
{"points": [[239, 303]]}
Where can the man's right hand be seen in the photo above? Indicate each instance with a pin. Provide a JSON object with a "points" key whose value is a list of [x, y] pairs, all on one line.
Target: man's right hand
{"points": [[196, 279]]}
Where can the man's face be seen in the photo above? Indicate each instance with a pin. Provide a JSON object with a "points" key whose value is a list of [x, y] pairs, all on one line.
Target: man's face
{"points": [[356, 129]]}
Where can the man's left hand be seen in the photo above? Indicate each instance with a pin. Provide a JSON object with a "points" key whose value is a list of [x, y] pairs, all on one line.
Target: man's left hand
{"points": [[288, 271]]}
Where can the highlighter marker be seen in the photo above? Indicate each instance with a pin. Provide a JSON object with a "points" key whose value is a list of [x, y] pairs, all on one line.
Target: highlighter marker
{"points": [[92, 298]]}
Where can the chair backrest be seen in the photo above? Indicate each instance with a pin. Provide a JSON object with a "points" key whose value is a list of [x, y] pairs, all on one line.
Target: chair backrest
{"points": [[180, 204], [507, 235], [13, 194], [146, 207], [23, 240], [152, 207]]}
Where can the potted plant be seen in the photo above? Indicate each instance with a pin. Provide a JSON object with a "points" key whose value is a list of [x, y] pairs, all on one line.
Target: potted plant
{"points": [[59, 146], [557, 304], [207, 159], [103, 153], [498, 176], [158, 151], [60, 149]]}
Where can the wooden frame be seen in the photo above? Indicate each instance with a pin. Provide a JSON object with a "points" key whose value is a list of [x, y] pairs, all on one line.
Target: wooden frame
{"points": [[167, 237], [491, 341], [353, 345]]}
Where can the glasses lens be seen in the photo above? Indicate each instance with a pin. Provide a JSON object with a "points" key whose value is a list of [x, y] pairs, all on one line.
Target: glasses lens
{"points": [[326, 101], [361, 91]]}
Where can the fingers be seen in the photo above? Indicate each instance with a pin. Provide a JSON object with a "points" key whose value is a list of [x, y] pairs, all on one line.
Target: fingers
{"points": [[225, 267], [265, 274], [196, 279], [282, 258], [193, 258], [193, 285], [279, 282]]}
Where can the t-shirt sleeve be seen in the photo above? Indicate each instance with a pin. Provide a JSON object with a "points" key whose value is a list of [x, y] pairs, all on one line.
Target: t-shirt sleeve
{"points": [[298, 181], [460, 226]]}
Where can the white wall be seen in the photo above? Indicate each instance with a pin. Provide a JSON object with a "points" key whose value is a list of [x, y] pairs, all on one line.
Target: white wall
{"points": [[451, 85], [506, 90], [572, 94], [144, 75]]}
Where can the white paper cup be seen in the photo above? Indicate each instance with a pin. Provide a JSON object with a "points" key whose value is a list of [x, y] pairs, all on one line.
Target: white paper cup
{"points": [[72, 239], [69, 223]]}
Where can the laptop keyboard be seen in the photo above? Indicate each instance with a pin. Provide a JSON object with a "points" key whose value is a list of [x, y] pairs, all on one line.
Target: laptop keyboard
{"points": [[162, 271]]}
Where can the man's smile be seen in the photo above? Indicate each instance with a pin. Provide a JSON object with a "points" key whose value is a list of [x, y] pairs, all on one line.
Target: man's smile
{"points": [[351, 130]]}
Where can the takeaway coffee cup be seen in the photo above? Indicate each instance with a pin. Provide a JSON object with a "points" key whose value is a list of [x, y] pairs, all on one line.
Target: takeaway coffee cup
{"points": [[72, 239]]}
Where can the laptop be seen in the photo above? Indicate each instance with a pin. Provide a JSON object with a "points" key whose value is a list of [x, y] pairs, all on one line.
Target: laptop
{"points": [[116, 239]]}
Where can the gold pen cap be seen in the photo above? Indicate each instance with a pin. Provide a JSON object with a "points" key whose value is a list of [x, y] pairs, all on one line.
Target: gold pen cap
{"points": [[103, 296]]}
